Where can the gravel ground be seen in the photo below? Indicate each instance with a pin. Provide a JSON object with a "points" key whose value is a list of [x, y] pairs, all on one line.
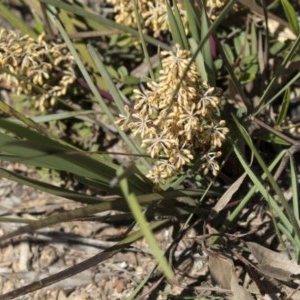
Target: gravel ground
{"points": [[31, 257]]}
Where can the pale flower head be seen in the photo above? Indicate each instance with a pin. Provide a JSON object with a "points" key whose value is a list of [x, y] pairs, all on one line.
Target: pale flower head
{"points": [[178, 117], [31, 67]]}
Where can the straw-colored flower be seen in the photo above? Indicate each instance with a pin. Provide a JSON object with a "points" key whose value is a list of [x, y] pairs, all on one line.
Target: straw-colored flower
{"points": [[210, 163], [216, 3], [35, 68], [214, 133], [154, 14], [214, 7], [177, 117]]}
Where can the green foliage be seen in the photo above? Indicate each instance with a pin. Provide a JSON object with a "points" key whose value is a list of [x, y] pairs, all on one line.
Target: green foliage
{"points": [[291, 15], [78, 135]]}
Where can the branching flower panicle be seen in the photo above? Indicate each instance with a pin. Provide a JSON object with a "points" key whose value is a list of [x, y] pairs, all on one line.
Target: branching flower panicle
{"points": [[214, 7], [154, 14], [216, 3], [36, 68], [176, 127]]}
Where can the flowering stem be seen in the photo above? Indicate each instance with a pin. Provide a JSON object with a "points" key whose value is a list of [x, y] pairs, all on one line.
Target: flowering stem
{"points": [[141, 35]]}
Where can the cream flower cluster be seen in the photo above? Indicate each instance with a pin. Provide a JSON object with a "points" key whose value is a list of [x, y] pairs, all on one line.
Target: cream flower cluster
{"points": [[216, 3], [35, 68], [174, 128], [154, 14]]}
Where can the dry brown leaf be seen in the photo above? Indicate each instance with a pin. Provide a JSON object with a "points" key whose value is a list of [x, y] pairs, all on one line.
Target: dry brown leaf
{"points": [[223, 201], [220, 267], [222, 272], [238, 291], [274, 264]]}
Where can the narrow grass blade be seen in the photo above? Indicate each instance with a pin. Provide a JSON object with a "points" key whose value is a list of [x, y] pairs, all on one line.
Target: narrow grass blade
{"points": [[142, 39], [281, 91], [14, 113], [79, 114], [261, 188], [237, 211], [291, 15], [295, 191], [144, 227], [254, 39], [193, 20], [39, 150], [95, 91], [206, 50], [47, 152], [27, 133], [139, 288], [57, 157], [253, 190], [278, 72], [284, 106], [71, 27], [176, 35], [107, 79], [52, 189], [199, 60], [180, 25], [16, 21], [272, 182]]}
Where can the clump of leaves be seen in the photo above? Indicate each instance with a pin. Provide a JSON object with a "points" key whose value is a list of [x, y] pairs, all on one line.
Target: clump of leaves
{"points": [[169, 123]]}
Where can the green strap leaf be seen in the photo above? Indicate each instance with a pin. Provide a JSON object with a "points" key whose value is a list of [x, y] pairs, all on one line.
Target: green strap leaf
{"points": [[140, 218], [291, 15]]}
